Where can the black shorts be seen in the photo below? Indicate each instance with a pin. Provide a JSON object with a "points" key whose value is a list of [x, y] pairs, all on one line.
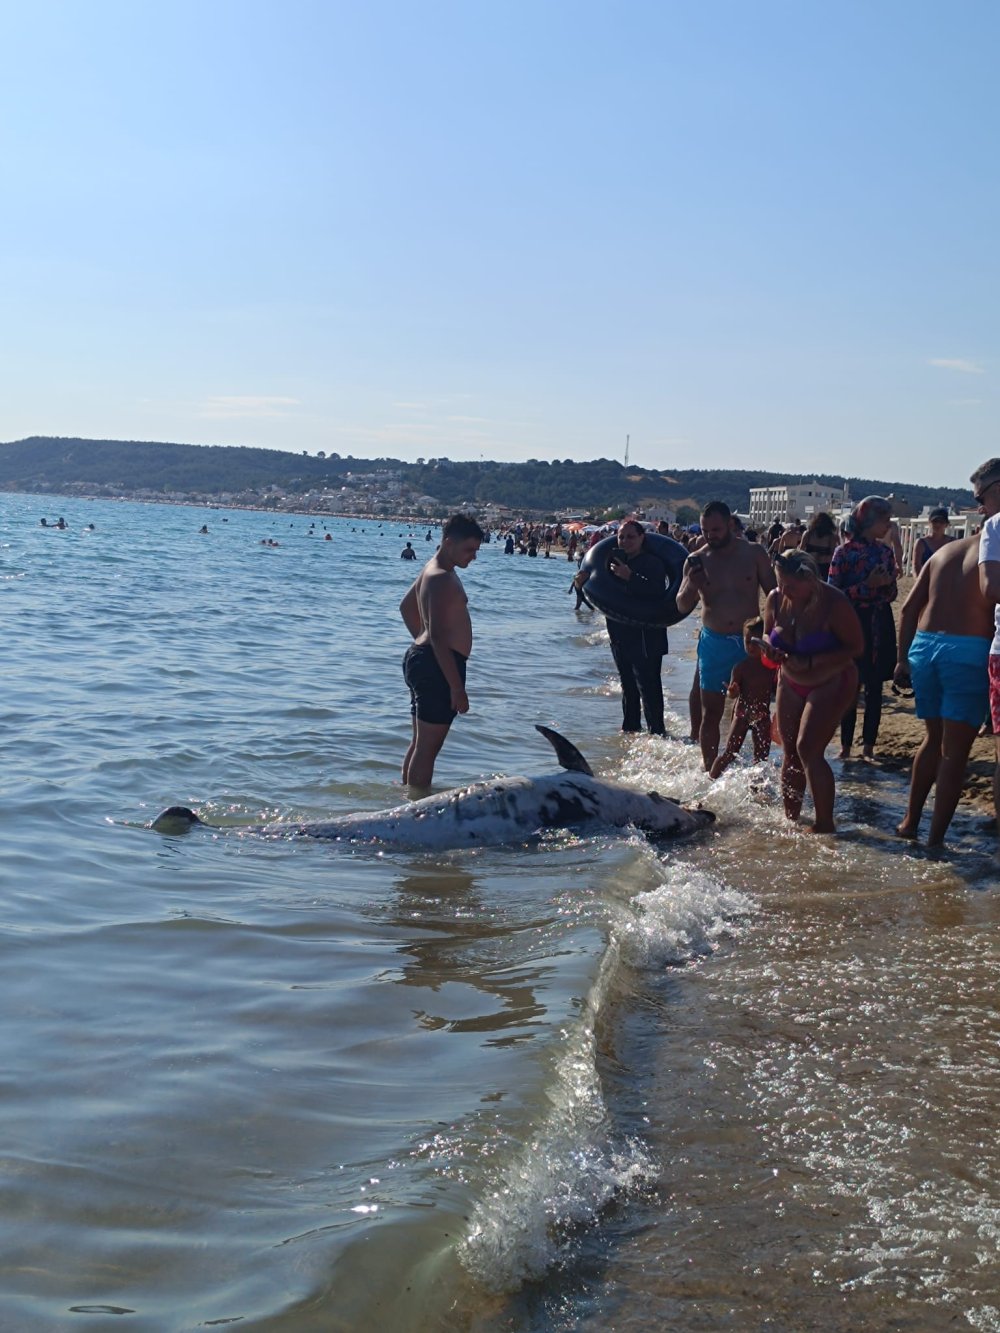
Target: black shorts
{"points": [[430, 693]]}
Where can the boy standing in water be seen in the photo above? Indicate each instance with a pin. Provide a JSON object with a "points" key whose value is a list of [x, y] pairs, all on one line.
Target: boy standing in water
{"points": [[751, 685], [436, 612]]}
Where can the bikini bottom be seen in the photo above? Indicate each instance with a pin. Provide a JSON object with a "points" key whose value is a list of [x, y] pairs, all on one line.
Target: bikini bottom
{"points": [[804, 691]]}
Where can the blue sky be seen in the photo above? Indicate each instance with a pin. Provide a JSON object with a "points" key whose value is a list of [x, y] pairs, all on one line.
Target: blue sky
{"points": [[748, 234]]}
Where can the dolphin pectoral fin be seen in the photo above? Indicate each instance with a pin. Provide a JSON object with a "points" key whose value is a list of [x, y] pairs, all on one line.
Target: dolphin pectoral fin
{"points": [[568, 755], [175, 819]]}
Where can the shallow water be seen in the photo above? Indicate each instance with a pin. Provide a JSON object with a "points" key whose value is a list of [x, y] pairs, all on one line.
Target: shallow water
{"points": [[576, 1084]]}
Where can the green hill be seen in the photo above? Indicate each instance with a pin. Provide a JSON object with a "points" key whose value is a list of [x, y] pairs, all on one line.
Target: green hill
{"points": [[72, 466]]}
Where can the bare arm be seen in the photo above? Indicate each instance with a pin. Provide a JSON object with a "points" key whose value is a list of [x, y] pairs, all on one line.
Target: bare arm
{"points": [[765, 574], [897, 548], [409, 609], [989, 580], [909, 614], [694, 581], [770, 611], [845, 624]]}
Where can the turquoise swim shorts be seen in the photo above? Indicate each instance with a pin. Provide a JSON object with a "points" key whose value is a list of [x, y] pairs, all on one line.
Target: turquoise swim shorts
{"points": [[950, 676], [717, 655]]}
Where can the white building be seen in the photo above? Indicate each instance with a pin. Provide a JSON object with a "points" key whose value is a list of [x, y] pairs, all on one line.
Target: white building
{"points": [[790, 503]]}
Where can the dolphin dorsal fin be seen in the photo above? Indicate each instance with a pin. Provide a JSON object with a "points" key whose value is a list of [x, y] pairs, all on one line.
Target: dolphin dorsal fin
{"points": [[566, 752]]}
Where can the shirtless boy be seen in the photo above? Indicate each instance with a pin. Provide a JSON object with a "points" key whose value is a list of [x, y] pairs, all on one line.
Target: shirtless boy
{"points": [[436, 612], [728, 576], [945, 630]]}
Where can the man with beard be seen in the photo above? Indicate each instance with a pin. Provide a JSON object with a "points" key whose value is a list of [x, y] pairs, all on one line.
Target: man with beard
{"points": [[727, 576]]}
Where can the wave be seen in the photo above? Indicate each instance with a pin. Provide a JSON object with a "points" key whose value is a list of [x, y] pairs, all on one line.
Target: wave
{"points": [[574, 1163]]}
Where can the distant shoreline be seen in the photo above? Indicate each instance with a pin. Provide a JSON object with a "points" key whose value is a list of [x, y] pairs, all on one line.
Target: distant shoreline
{"points": [[216, 505]]}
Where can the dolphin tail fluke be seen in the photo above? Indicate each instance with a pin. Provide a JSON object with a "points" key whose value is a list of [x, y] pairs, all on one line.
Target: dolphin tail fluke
{"points": [[175, 819], [568, 755]]}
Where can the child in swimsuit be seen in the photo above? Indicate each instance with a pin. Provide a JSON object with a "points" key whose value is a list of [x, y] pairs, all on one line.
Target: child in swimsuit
{"points": [[752, 686]]}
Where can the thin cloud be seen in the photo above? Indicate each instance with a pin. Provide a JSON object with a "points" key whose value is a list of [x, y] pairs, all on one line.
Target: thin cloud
{"points": [[221, 408], [957, 363]]}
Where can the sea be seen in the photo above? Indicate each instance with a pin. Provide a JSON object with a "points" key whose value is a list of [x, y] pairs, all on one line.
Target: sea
{"points": [[746, 1082]]}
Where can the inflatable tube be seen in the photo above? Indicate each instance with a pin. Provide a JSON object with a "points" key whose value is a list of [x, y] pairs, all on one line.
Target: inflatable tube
{"points": [[611, 596]]}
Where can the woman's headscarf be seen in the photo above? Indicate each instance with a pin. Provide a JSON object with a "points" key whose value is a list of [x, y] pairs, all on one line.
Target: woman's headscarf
{"points": [[867, 512]]}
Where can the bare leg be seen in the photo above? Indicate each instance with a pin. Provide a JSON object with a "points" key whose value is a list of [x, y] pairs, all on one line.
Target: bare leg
{"points": [[712, 705], [996, 787], [694, 707], [761, 732], [426, 747], [955, 747], [793, 778], [737, 735], [824, 709], [925, 770], [409, 753]]}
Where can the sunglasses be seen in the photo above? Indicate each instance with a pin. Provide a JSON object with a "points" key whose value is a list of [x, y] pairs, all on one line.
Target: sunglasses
{"points": [[980, 496]]}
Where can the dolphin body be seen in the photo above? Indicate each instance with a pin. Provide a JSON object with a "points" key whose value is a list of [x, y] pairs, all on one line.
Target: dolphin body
{"points": [[494, 812]]}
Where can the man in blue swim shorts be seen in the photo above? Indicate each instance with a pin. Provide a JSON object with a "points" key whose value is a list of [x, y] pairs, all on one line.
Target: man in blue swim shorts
{"points": [[727, 575], [945, 630]]}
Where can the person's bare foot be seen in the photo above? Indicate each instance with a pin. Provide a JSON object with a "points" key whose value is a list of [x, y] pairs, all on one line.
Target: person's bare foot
{"points": [[823, 828], [845, 752], [906, 830], [868, 754]]}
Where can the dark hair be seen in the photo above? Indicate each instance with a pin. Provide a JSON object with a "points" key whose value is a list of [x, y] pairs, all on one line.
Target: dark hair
{"points": [[939, 515], [717, 507], [461, 526], [753, 628], [821, 524], [632, 523], [988, 471]]}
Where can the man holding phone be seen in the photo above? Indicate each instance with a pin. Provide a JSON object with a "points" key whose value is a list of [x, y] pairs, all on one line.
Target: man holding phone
{"points": [[638, 650], [727, 576]]}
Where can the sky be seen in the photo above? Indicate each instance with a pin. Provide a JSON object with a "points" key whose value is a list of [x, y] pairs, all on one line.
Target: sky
{"points": [[756, 234]]}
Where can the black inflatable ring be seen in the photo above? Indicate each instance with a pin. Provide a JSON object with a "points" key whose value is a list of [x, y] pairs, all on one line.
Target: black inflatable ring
{"points": [[610, 595]]}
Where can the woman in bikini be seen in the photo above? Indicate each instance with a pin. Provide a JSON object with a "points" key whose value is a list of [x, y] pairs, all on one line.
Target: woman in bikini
{"points": [[814, 637]]}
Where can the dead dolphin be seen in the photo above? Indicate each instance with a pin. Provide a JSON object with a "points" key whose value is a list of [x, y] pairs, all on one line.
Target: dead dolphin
{"points": [[494, 812]]}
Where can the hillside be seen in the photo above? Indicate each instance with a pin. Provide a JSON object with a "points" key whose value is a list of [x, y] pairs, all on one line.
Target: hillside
{"points": [[73, 466]]}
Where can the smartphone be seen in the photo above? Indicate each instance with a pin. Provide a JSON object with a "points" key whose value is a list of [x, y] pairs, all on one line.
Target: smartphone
{"points": [[763, 645], [617, 557], [695, 563]]}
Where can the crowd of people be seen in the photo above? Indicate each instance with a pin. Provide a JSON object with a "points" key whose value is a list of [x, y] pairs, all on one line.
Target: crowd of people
{"points": [[800, 617]]}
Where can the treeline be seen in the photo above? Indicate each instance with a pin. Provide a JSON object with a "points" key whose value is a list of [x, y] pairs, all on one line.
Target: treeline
{"points": [[57, 464], [43, 463]]}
